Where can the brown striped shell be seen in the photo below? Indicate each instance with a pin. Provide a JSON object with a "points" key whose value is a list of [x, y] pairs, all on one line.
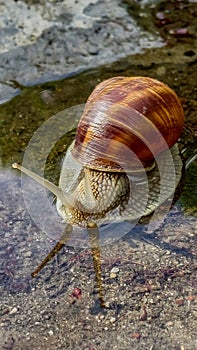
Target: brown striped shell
{"points": [[127, 120]]}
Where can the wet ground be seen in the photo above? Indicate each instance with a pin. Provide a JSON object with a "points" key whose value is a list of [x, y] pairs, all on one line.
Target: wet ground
{"points": [[148, 279], [45, 40]]}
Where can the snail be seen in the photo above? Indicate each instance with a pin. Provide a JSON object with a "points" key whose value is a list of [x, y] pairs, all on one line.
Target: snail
{"points": [[128, 126]]}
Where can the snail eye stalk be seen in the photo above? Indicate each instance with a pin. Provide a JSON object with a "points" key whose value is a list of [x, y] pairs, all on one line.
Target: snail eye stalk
{"points": [[65, 198]]}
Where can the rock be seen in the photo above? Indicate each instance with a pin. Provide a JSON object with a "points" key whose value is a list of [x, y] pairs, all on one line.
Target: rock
{"points": [[13, 311], [40, 43]]}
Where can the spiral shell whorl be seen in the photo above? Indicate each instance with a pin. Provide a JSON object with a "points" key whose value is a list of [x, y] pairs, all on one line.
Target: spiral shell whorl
{"points": [[122, 114]]}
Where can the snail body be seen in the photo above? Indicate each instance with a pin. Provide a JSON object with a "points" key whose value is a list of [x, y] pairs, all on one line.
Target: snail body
{"points": [[109, 172]]}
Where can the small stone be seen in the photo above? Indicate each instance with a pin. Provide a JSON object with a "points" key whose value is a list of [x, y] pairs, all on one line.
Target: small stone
{"points": [[107, 305], [28, 254], [13, 311], [179, 302], [76, 293], [143, 314], [50, 332], [112, 319], [190, 297], [161, 71], [136, 336], [5, 311], [180, 32], [115, 269], [113, 275]]}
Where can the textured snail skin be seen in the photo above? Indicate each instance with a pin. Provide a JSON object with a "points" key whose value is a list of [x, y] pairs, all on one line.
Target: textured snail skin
{"points": [[127, 114], [108, 192], [116, 196]]}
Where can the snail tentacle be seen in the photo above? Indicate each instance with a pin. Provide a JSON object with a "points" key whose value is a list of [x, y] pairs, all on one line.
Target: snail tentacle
{"points": [[66, 199], [90, 202]]}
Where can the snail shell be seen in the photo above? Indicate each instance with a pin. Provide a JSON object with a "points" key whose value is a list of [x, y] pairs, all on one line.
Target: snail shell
{"points": [[126, 114]]}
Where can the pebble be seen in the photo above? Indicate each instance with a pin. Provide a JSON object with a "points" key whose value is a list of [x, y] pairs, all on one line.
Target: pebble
{"points": [[179, 302], [28, 254], [136, 336], [113, 272], [112, 319], [13, 311], [161, 71]]}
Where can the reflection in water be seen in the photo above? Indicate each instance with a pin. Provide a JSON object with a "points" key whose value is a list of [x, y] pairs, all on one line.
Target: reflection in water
{"points": [[63, 240], [95, 250]]}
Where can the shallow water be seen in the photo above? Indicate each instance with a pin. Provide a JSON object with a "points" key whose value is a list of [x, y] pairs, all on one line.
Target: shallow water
{"points": [[148, 279]]}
